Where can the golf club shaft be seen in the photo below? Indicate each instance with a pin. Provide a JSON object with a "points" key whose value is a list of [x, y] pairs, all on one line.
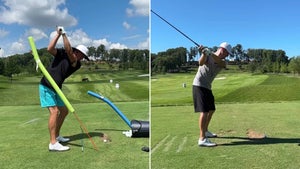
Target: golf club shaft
{"points": [[81, 140], [176, 28], [85, 130]]}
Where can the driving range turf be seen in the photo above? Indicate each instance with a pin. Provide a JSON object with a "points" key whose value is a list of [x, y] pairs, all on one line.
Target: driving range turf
{"points": [[266, 103], [24, 124]]}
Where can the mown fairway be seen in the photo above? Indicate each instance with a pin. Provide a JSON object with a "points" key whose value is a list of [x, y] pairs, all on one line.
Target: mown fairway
{"points": [[24, 90], [25, 137], [268, 104]]}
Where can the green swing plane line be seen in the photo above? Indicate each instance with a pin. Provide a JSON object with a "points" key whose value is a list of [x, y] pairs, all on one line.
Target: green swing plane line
{"points": [[56, 88]]}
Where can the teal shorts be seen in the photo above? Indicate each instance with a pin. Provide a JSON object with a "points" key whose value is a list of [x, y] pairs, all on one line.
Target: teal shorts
{"points": [[49, 98]]}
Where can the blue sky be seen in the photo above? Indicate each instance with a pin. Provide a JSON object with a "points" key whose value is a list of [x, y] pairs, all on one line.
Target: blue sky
{"points": [[266, 24], [122, 24]]}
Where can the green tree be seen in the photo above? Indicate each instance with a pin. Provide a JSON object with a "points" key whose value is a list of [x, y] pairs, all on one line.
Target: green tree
{"points": [[294, 65], [12, 67], [101, 52], [92, 51], [240, 55], [113, 56], [192, 53], [170, 61], [2, 66], [124, 59]]}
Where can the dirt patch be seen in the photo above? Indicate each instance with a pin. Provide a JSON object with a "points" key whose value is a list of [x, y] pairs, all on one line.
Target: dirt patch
{"points": [[252, 134], [105, 138]]}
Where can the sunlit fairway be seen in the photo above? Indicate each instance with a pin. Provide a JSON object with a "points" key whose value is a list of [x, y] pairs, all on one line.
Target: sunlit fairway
{"points": [[268, 104]]}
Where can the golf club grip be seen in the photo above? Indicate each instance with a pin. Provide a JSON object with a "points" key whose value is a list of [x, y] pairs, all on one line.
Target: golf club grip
{"points": [[176, 28]]}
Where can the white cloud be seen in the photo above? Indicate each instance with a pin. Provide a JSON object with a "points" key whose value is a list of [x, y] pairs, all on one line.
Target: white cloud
{"points": [[108, 45], [37, 34], [144, 44], [117, 46], [140, 8], [17, 47], [78, 37], [37, 13], [99, 42], [1, 53], [126, 25], [3, 33], [131, 37]]}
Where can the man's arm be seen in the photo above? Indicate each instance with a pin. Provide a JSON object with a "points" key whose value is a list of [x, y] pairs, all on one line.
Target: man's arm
{"points": [[51, 47], [202, 59], [204, 54], [69, 50]]}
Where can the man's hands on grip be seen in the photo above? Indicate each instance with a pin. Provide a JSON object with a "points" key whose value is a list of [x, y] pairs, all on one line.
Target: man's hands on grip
{"points": [[61, 30], [204, 50]]}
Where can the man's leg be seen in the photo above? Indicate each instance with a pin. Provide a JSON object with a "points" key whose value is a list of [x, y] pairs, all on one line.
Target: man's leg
{"points": [[63, 112], [203, 121], [52, 123], [209, 116], [203, 124]]}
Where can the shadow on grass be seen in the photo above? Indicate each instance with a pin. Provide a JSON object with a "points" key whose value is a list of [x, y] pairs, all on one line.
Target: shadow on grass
{"points": [[81, 136], [262, 141], [109, 130]]}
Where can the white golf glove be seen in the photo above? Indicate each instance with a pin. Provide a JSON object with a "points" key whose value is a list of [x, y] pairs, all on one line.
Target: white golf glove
{"points": [[61, 30], [206, 51]]}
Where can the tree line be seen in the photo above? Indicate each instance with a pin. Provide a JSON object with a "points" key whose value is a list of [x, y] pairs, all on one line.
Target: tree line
{"points": [[122, 59], [252, 60]]}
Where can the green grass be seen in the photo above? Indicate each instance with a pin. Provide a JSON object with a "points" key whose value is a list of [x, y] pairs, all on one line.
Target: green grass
{"points": [[24, 135], [273, 88], [268, 104], [227, 88], [264, 103], [24, 138], [26, 88], [175, 134]]}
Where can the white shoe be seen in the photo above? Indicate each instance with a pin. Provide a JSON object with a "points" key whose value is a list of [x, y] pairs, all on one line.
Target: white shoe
{"points": [[58, 147], [62, 139], [210, 134], [206, 143]]}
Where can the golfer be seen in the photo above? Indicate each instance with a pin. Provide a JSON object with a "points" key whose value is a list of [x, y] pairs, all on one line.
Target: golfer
{"points": [[210, 64], [66, 61]]}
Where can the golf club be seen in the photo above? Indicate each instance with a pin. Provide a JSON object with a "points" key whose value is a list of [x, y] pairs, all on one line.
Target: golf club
{"points": [[176, 28]]}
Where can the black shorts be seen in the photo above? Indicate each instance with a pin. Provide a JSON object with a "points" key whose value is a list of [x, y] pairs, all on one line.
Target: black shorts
{"points": [[204, 100]]}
